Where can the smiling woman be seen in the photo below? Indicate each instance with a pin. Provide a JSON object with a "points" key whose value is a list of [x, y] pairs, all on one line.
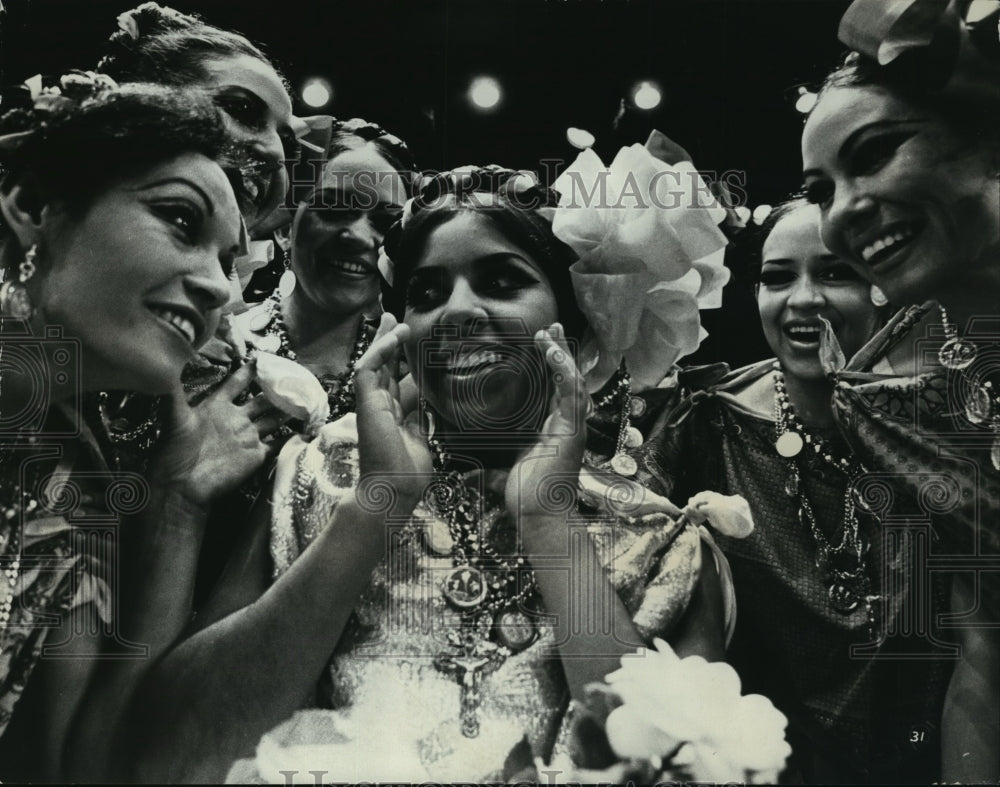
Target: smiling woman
{"points": [[163, 46], [119, 229], [809, 578], [347, 194]]}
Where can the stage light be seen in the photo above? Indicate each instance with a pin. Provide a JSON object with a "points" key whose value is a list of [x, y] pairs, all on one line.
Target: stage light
{"points": [[580, 138], [646, 96], [484, 92], [316, 92], [806, 101], [744, 213], [760, 213]]}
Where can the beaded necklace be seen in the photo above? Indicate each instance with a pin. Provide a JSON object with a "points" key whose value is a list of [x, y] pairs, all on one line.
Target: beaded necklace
{"points": [[981, 403], [140, 438], [339, 387], [844, 564], [490, 590], [22, 501], [628, 435]]}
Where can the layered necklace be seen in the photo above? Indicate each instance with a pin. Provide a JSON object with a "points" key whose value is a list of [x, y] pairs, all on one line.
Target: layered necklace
{"points": [[17, 501], [981, 403], [629, 437], [844, 563], [489, 589], [339, 387]]}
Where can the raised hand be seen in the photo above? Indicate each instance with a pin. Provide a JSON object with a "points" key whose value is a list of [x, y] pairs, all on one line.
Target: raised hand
{"points": [[543, 477], [388, 446], [209, 449]]}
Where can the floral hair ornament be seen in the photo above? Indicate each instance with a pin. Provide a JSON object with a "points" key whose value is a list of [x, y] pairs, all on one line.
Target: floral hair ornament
{"points": [[947, 46], [650, 256], [40, 100], [128, 21]]}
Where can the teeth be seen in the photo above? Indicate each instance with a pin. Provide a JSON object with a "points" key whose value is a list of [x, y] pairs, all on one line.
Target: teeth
{"points": [[476, 359], [803, 331], [182, 324], [350, 267], [886, 241]]}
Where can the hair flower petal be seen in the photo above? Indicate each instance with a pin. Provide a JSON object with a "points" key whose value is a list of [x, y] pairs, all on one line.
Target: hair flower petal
{"points": [[650, 256]]}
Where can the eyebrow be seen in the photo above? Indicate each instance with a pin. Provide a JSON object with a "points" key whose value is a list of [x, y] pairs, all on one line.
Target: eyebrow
{"points": [[209, 205], [487, 259], [852, 139]]}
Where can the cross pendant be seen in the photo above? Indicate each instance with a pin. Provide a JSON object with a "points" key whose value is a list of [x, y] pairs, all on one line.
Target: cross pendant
{"points": [[468, 667]]}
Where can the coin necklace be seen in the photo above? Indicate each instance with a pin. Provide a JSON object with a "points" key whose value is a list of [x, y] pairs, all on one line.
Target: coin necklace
{"points": [[844, 563]]}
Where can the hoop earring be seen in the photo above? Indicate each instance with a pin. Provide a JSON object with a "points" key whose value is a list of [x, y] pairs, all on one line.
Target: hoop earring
{"points": [[877, 296], [287, 282], [14, 298]]}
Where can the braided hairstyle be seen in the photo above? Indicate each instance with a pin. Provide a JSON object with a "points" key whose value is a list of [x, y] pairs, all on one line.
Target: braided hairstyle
{"points": [[157, 44], [513, 200], [356, 133], [306, 172], [78, 138]]}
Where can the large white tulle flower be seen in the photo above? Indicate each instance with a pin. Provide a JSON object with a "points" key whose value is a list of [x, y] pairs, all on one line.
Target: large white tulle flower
{"points": [[650, 256], [691, 711]]}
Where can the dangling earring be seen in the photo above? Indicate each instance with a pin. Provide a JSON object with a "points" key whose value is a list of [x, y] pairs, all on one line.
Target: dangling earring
{"points": [[286, 284], [878, 297], [14, 299]]}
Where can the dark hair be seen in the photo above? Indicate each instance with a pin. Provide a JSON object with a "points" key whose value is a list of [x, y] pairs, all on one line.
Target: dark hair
{"points": [[917, 82], [160, 45], [751, 242], [306, 172], [355, 133], [75, 150], [504, 197]]}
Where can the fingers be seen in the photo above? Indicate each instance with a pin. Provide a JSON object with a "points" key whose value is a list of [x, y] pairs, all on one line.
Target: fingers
{"points": [[566, 379], [385, 346], [270, 423], [238, 381], [257, 406]]}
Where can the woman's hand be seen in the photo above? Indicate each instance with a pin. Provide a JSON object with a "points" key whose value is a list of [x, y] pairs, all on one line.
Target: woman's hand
{"points": [[389, 448], [209, 449], [542, 482]]}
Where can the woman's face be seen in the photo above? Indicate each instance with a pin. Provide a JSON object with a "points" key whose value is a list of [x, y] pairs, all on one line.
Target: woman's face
{"points": [[901, 193], [800, 281], [258, 114], [474, 301], [140, 279], [337, 233]]}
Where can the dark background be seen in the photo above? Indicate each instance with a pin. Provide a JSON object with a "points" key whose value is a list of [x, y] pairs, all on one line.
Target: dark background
{"points": [[728, 71]]}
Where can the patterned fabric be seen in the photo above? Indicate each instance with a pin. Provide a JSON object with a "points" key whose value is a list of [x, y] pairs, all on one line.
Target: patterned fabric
{"points": [[914, 431], [852, 711], [63, 552], [385, 660]]}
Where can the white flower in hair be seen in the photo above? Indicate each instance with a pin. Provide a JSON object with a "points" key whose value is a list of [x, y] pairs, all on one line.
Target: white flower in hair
{"points": [[651, 255]]}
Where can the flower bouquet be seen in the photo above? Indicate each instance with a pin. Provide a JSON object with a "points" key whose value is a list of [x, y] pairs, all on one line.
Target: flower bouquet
{"points": [[665, 718]]}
